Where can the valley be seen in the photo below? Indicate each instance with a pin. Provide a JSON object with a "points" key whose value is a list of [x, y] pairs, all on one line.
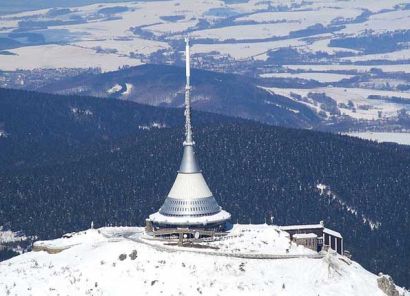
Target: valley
{"points": [[318, 47]]}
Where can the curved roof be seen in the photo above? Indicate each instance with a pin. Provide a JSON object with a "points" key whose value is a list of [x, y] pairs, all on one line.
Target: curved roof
{"points": [[190, 186]]}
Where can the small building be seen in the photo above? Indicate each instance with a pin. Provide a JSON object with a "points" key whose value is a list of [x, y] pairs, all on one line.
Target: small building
{"points": [[305, 228], [308, 240], [333, 239], [325, 237]]}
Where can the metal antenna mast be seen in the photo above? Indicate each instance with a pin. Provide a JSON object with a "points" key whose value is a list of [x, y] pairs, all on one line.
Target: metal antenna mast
{"points": [[188, 163], [188, 128]]}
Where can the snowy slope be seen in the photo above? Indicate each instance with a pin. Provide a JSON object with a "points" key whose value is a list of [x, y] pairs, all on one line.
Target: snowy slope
{"points": [[399, 138], [118, 261]]}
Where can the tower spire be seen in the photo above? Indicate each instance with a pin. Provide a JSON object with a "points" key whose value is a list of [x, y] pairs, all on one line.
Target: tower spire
{"points": [[188, 128], [188, 163]]}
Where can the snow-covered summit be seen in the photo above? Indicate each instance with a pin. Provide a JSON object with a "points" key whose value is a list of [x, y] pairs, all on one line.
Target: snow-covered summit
{"points": [[123, 261]]}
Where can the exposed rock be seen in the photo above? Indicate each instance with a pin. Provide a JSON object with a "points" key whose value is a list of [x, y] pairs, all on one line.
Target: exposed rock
{"points": [[386, 284], [134, 255]]}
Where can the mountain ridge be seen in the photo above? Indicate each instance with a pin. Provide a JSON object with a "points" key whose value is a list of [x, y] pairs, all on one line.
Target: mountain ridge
{"points": [[163, 85], [275, 101]]}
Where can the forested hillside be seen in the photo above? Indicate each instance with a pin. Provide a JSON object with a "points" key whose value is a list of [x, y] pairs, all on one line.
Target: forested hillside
{"points": [[163, 85], [67, 161], [36, 128]]}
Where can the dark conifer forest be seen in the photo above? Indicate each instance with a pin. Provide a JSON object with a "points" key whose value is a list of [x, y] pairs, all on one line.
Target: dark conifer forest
{"points": [[67, 161]]}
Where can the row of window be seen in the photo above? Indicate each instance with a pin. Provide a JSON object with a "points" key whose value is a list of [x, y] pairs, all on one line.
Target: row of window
{"points": [[189, 202], [192, 215], [195, 209]]}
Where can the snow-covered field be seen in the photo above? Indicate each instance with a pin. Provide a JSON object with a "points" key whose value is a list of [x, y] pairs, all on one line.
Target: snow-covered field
{"points": [[321, 14], [357, 68], [364, 108], [321, 77], [384, 21], [392, 56], [257, 31], [399, 138], [241, 51], [62, 56], [110, 26], [108, 262]]}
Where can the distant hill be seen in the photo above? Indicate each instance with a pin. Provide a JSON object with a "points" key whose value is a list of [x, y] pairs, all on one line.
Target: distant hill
{"points": [[162, 85], [67, 161], [290, 103]]}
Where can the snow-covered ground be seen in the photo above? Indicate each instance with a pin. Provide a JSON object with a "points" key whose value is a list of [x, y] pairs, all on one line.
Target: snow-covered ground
{"points": [[128, 89], [108, 262], [357, 68], [240, 51], [257, 31], [382, 22], [399, 138], [403, 54], [62, 56], [321, 77], [116, 88], [94, 29], [15, 241], [364, 108], [8, 236], [320, 15]]}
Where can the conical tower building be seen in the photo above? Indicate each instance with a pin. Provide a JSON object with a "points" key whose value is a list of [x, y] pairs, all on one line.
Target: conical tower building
{"points": [[190, 203]]}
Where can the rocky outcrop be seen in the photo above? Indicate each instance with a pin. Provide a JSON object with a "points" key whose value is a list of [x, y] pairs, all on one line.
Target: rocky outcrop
{"points": [[386, 284]]}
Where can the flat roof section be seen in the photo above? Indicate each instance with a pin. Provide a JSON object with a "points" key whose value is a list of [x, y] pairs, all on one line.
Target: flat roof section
{"points": [[304, 235], [332, 232], [297, 227]]}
